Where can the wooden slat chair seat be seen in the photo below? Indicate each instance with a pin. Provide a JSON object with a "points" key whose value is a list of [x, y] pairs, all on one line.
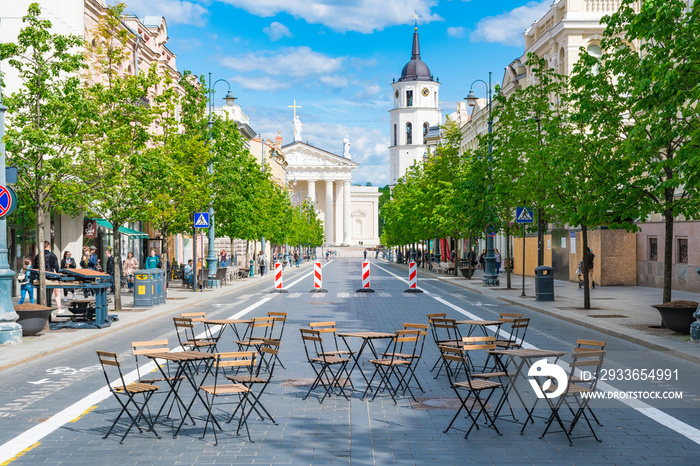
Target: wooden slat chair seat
{"points": [[187, 333], [323, 364], [394, 367], [592, 360], [259, 329], [130, 391], [224, 362], [473, 388]]}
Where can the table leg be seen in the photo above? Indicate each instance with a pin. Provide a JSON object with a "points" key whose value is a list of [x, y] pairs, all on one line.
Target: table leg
{"points": [[356, 358], [193, 383]]}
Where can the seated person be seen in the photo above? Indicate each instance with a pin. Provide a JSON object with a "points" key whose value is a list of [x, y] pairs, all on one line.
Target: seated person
{"points": [[189, 273]]}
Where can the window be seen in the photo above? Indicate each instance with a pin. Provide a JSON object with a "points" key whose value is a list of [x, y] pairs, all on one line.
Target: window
{"points": [[395, 131], [409, 98], [409, 133], [682, 250], [596, 52], [426, 127], [653, 249]]}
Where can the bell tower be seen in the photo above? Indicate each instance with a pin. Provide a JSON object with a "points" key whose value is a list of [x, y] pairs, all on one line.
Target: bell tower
{"points": [[415, 111]]}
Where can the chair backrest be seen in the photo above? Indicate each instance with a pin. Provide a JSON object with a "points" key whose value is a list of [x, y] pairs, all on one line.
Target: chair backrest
{"points": [[261, 327], [405, 341], [445, 329], [312, 338], [184, 328], [589, 345], [517, 332], [327, 327], [509, 316], [479, 343], [591, 360], [194, 316], [236, 359], [268, 357], [455, 355], [422, 332], [147, 347], [278, 328], [108, 359], [430, 321]]}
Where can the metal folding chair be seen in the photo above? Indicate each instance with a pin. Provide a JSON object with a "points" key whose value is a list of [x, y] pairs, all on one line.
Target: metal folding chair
{"points": [[222, 363], [128, 391], [277, 331], [446, 333], [589, 359], [517, 333], [322, 363], [414, 358], [473, 388], [260, 379], [187, 337], [402, 350], [582, 346]]}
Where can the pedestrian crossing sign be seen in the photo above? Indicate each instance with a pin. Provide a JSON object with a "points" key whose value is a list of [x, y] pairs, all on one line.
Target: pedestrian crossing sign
{"points": [[523, 215], [201, 220]]}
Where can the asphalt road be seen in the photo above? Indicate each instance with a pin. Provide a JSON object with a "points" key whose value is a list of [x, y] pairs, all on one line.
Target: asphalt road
{"points": [[57, 409]]}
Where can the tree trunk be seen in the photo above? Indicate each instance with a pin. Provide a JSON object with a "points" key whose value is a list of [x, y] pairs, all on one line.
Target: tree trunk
{"points": [[40, 220], [164, 253], [586, 272], [668, 246], [117, 256], [233, 253]]}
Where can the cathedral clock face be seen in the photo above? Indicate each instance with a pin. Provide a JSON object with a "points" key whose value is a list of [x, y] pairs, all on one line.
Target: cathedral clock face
{"points": [[425, 92], [396, 94]]}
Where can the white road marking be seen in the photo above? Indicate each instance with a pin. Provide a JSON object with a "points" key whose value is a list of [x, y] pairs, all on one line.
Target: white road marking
{"points": [[39, 382], [293, 295], [652, 413], [384, 295], [343, 294]]}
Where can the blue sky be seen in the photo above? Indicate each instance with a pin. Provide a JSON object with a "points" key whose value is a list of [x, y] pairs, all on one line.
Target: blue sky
{"points": [[338, 58]]}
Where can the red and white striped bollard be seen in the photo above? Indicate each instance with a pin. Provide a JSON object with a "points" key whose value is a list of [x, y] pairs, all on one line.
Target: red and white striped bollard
{"points": [[365, 279], [278, 279], [318, 279], [412, 278]]}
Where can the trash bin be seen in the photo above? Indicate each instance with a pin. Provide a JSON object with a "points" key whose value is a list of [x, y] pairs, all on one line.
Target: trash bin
{"points": [[544, 283], [399, 257], [143, 289], [158, 278]]}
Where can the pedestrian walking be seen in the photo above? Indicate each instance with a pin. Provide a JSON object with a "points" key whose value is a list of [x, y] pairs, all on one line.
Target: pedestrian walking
{"points": [[130, 266], [68, 263], [365, 254], [152, 261], [262, 263], [499, 259], [222, 258], [25, 285], [110, 268], [93, 261], [296, 257], [51, 264], [482, 260]]}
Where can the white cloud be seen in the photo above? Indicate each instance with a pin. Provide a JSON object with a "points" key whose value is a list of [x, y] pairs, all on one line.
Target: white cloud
{"points": [[275, 31], [174, 11], [457, 32], [264, 83], [370, 91], [334, 81], [290, 61], [363, 16], [508, 28]]}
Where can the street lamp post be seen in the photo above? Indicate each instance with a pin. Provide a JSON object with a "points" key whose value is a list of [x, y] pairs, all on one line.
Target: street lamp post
{"points": [[10, 330], [212, 260], [491, 274]]}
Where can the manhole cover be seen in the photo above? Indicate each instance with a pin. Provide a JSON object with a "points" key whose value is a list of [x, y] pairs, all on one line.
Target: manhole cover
{"points": [[442, 403], [608, 316], [646, 327]]}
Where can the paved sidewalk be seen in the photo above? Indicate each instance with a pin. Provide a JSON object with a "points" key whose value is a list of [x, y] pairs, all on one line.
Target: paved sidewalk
{"points": [[179, 299], [621, 311]]}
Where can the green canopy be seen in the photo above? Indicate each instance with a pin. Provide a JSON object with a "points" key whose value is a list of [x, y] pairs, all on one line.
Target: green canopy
{"points": [[124, 230]]}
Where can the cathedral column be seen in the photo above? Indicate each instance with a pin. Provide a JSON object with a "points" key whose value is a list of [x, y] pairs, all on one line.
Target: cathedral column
{"points": [[328, 219], [312, 191], [346, 213]]}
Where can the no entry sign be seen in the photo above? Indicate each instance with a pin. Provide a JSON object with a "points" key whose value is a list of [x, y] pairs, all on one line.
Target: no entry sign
{"points": [[8, 201]]}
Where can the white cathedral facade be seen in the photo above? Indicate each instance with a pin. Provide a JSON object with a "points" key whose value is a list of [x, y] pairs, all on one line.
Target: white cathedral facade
{"points": [[350, 214], [415, 112]]}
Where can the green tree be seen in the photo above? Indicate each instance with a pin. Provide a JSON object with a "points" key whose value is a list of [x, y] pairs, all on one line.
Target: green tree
{"points": [[119, 162], [649, 72], [46, 120]]}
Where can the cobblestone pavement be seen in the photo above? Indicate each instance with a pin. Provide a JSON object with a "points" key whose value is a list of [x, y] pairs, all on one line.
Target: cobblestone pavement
{"points": [[58, 407]]}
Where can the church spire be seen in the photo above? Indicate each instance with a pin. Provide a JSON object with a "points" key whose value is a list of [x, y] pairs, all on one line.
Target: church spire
{"points": [[415, 54]]}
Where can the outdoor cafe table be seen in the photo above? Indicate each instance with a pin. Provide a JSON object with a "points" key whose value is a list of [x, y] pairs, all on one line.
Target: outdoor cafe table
{"points": [[227, 323], [482, 324], [367, 338], [186, 362], [521, 359]]}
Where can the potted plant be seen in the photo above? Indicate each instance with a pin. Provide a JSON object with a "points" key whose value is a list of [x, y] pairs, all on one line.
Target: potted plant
{"points": [[677, 315], [32, 317]]}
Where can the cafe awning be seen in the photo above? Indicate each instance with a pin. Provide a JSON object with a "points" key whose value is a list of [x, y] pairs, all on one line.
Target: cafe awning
{"points": [[124, 230]]}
